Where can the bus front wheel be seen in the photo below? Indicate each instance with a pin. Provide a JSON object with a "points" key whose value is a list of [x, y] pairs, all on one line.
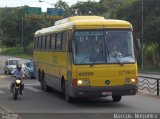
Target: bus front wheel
{"points": [[45, 86], [117, 98], [68, 98]]}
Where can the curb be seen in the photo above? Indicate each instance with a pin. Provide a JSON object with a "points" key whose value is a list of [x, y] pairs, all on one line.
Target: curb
{"points": [[157, 73]]}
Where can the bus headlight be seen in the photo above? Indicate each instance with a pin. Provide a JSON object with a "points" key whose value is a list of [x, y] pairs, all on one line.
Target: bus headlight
{"points": [[84, 82], [130, 80], [133, 80], [79, 82]]}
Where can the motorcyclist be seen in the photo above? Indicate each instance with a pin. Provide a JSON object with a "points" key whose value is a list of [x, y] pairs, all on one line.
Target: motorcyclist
{"points": [[18, 73]]}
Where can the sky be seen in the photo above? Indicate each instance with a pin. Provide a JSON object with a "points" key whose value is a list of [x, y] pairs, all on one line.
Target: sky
{"points": [[35, 3]]}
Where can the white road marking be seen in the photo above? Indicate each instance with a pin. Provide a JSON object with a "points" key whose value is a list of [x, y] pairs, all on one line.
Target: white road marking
{"points": [[3, 76], [33, 89], [5, 109], [1, 92], [35, 84], [26, 87], [4, 85]]}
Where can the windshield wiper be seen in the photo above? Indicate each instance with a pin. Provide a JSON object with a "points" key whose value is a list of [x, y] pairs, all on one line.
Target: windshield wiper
{"points": [[118, 60]]}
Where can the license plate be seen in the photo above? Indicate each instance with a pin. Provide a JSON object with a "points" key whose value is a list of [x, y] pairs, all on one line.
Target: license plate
{"points": [[107, 93]]}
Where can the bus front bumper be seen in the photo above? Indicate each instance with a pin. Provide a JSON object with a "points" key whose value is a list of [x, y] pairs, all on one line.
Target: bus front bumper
{"points": [[103, 91]]}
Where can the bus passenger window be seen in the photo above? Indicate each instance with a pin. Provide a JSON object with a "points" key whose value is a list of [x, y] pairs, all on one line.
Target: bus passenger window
{"points": [[64, 40], [39, 42], [44, 43], [70, 45], [48, 42], [35, 42], [59, 42], [53, 41]]}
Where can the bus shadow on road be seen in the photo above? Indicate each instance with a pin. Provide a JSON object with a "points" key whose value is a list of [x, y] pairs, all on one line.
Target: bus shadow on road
{"points": [[97, 102], [100, 101]]}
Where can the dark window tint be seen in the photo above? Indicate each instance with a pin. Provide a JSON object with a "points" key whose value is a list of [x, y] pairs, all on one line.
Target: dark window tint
{"points": [[53, 41], [48, 42], [36, 43], [64, 40], [39, 43], [35, 39], [44, 43], [59, 41]]}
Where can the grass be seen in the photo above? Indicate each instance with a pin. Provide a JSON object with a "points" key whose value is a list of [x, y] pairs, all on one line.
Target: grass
{"points": [[16, 52], [149, 68]]}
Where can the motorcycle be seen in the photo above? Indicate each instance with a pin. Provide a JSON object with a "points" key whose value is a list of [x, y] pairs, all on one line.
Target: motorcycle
{"points": [[17, 89]]}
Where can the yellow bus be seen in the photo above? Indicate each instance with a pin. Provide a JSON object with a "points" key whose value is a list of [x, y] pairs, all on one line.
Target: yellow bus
{"points": [[87, 56]]}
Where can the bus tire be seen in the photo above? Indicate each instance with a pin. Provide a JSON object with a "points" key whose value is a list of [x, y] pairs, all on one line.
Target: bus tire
{"points": [[41, 80], [116, 98], [39, 75], [62, 84], [68, 98], [45, 86]]}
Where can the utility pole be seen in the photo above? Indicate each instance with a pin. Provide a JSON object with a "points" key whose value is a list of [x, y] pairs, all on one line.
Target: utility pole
{"points": [[22, 40], [52, 5], [142, 40]]}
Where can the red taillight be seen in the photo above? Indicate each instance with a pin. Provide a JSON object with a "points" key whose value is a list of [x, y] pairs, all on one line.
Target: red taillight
{"points": [[74, 82]]}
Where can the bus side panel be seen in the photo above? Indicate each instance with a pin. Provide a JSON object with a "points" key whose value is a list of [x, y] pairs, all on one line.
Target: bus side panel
{"points": [[53, 65]]}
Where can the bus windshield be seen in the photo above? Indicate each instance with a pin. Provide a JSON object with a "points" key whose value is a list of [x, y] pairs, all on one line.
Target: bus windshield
{"points": [[103, 46]]}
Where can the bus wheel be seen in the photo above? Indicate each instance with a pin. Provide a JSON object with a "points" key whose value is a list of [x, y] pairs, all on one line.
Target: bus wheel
{"points": [[39, 75], [45, 86], [116, 98], [68, 98], [41, 80]]}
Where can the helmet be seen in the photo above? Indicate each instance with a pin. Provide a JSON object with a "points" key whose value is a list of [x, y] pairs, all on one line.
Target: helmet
{"points": [[19, 67]]}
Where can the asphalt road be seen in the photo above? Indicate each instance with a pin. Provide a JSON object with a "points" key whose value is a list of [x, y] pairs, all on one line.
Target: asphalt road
{"points": [[34, 100], [37, 104]]}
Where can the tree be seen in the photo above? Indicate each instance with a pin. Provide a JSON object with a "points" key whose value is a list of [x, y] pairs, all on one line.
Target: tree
{"points": [[8, 25], [87, 8], [133, 13], [112, 5], [11, 26], [63, 5]]}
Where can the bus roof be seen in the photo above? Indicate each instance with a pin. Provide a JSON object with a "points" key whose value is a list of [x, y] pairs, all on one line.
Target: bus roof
{"points": [[85, 22], [76, 18]]}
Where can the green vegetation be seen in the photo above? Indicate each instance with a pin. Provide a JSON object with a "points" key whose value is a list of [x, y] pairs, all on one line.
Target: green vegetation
{"points": [[130, 10], [16, 52], [151, 69]]}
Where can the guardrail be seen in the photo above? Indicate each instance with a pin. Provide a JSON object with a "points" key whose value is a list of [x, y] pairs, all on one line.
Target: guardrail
{"points": [[149, 83]]}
